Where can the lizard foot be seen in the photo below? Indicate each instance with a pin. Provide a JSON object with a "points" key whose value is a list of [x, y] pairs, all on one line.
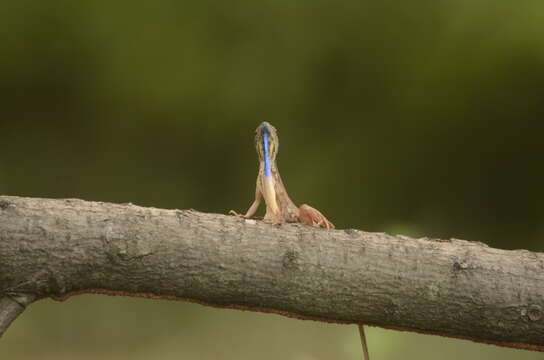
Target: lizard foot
{"points": [[232, 212], [277, 221], [310, 216]]}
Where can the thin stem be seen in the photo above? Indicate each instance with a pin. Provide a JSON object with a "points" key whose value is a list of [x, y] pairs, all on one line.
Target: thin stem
{"points": [[363, 341]]}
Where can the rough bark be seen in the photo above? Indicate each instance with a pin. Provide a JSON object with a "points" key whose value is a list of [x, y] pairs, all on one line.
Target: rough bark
{"points": [[57, 248]]}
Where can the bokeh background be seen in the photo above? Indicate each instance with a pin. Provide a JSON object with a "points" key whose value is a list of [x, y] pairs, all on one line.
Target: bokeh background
{"points": [[419, 118]]}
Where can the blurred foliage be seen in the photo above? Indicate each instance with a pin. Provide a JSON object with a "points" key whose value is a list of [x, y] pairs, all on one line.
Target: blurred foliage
{"points": [[416, 118]]}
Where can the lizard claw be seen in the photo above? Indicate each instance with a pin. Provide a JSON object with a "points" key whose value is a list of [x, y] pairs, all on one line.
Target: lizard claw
{"points": [[310, 216], [232, 212]]}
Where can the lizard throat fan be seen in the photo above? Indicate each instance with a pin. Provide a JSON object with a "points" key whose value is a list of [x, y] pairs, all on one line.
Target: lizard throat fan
{"points": [[267, 165], [269, 191]]}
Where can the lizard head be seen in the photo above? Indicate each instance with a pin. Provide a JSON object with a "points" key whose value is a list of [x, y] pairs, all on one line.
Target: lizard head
{"points": [[267, 143]]}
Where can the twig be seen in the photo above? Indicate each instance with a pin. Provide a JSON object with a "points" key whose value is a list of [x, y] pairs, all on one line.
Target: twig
{"points": [[363, 341]]}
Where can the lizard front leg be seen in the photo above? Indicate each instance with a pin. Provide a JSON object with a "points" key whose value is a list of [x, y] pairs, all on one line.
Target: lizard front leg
{"points": [[253, 208], [273, 214]]}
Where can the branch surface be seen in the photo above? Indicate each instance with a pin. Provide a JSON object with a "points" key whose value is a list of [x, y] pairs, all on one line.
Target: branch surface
{"points": [[57, 248]]}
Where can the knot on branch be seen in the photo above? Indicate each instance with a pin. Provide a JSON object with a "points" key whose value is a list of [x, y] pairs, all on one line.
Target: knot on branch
{"points": [[290, 260], [534, 313], [4, 204]]}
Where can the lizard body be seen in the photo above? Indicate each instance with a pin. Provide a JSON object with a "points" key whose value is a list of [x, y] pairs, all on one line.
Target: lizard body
{"points": [[279, 206]]}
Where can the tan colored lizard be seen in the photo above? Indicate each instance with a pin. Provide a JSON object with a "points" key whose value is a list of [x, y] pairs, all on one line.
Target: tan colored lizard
{"points": [[279, 207]]}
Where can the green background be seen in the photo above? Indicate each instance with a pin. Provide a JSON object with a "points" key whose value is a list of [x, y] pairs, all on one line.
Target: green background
{"points": [[419, 118]]}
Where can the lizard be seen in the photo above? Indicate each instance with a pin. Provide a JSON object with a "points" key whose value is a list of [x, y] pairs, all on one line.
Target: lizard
{"points": [[279, 206]]}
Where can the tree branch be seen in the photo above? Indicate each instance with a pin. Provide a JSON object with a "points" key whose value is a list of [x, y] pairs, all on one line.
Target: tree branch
{"points": [[58, 248], [11, 306]]}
